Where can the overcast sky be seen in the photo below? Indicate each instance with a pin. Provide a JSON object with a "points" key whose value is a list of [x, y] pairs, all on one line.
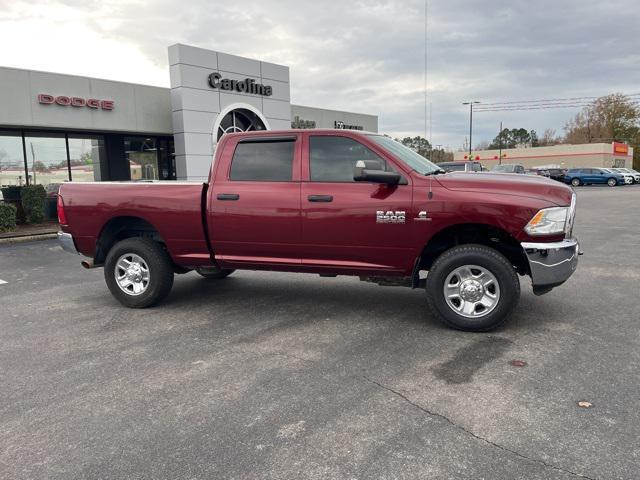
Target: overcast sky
{"points": [[363, 56]]}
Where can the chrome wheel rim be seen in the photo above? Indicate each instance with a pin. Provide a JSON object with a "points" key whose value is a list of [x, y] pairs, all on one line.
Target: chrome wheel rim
{"points": [[471, 291], [575, 182], [132, 274], [611, 182]]}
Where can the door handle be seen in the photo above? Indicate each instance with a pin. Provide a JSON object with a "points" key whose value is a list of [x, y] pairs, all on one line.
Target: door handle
{"points": [[320, 198], [228, 196]]}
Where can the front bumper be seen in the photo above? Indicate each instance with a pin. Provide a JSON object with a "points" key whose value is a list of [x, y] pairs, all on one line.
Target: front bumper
{"points": [[67, 243], [551, 264]]}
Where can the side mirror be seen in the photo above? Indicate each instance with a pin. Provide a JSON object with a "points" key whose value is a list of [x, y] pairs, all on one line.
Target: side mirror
{"points": [[371, 171]]}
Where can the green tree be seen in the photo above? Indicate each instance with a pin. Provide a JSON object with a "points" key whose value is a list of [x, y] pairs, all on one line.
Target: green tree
{"points": [[418, 144], [514, 138]]}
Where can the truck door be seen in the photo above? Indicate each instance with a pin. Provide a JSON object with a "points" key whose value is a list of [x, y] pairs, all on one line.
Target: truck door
{"points": [[348, 225], [254, 202]]}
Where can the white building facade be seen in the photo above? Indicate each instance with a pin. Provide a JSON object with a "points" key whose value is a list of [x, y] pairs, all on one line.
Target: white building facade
{"points": [[56, 127]]}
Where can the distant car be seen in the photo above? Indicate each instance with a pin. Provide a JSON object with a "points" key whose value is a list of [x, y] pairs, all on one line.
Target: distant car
{"points": [[628, 178], [467, 166], [629, 171], [589, 176], [538, 171], [557, 174], [52, 190], [508, 168]]}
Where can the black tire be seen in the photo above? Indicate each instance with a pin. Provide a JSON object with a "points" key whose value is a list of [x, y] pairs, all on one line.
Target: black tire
{"points": [[490, 260], [215, 273], [612, 182], [575, 182], [160, 270]]}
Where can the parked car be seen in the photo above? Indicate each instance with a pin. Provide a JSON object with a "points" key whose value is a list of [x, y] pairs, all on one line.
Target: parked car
{"points": [[589, 176], [508, 168], [330, 202], [466, 166], [51, 200], [557, 174], [538, 171], [628, 171], [628, 178]]}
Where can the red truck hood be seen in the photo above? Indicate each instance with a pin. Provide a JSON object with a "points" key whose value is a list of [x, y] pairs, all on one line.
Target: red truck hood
{"points": [[509, 184]]}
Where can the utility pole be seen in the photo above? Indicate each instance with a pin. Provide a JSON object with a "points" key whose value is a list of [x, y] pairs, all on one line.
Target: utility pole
{"points": [[500, 145], [470, 103], [33, 162], [426, 67]]}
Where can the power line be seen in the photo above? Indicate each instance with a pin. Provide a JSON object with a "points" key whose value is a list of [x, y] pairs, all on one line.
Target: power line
{"points": [[539, 107], [569, 99]]}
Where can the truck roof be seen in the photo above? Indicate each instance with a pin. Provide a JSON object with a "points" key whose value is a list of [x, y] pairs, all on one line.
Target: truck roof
{"points": [[292, 131]]}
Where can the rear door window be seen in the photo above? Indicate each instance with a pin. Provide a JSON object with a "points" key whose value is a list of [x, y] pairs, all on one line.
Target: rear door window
{"points": [[263, 161]]}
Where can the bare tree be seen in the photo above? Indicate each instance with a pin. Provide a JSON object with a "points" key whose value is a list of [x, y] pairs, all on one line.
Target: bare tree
{"points": [[611, 118], [550, 138]]}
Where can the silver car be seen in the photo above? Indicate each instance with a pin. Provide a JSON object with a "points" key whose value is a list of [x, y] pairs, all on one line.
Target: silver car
{"points": [[628, 171], [628, 178]]}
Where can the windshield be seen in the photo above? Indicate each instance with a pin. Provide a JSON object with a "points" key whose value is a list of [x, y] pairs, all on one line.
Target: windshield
{"points": [[406, 155], [502, 168]]}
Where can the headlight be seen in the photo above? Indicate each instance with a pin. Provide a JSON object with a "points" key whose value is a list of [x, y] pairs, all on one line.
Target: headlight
{"points": [[548, 221]]}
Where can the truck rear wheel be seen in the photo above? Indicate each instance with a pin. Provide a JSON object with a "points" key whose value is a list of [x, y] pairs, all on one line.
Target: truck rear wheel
{"points": [[138, 272], [473, 288]]}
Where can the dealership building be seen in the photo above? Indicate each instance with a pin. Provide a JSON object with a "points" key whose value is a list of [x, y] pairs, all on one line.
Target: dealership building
{"points": [[558, 156], [56, 128]]}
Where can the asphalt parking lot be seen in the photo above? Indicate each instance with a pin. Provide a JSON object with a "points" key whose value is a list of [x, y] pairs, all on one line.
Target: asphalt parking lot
{"points": [[270, 375]]}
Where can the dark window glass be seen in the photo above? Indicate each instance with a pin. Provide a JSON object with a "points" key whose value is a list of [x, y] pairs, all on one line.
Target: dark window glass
{"points": [[166, 159], [142, 156], [263, 161], [333, 159]]}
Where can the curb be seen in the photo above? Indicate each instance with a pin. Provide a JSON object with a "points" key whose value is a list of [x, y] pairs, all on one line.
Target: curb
{"points": [[28, 238]]}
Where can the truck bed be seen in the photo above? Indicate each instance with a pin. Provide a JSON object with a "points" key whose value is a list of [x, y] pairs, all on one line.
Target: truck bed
{"points": [[173, 209]]}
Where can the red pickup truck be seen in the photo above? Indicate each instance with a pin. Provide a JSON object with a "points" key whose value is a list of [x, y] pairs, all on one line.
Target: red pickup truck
{"points": [[331, 202]]}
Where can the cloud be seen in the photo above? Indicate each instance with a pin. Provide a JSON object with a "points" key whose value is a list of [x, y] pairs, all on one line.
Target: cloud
{"points": [[356, 55]]}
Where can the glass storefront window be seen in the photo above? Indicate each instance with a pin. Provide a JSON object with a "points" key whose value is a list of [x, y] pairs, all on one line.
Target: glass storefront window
{"points": [[166, 159], [87, 154], [11, 159], [46, 158], [142, 156]]}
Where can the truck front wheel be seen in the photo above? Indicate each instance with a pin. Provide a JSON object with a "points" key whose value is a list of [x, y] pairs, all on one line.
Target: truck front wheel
{"points": [[473, 288], [138, 272]]}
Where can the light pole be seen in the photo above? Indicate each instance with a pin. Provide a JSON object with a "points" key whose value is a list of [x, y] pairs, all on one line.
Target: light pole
{"points": [[471, 103]]}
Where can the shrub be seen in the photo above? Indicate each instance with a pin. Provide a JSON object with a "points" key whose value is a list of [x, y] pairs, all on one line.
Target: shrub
{"points": [[7, 217], [33, 202]]}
